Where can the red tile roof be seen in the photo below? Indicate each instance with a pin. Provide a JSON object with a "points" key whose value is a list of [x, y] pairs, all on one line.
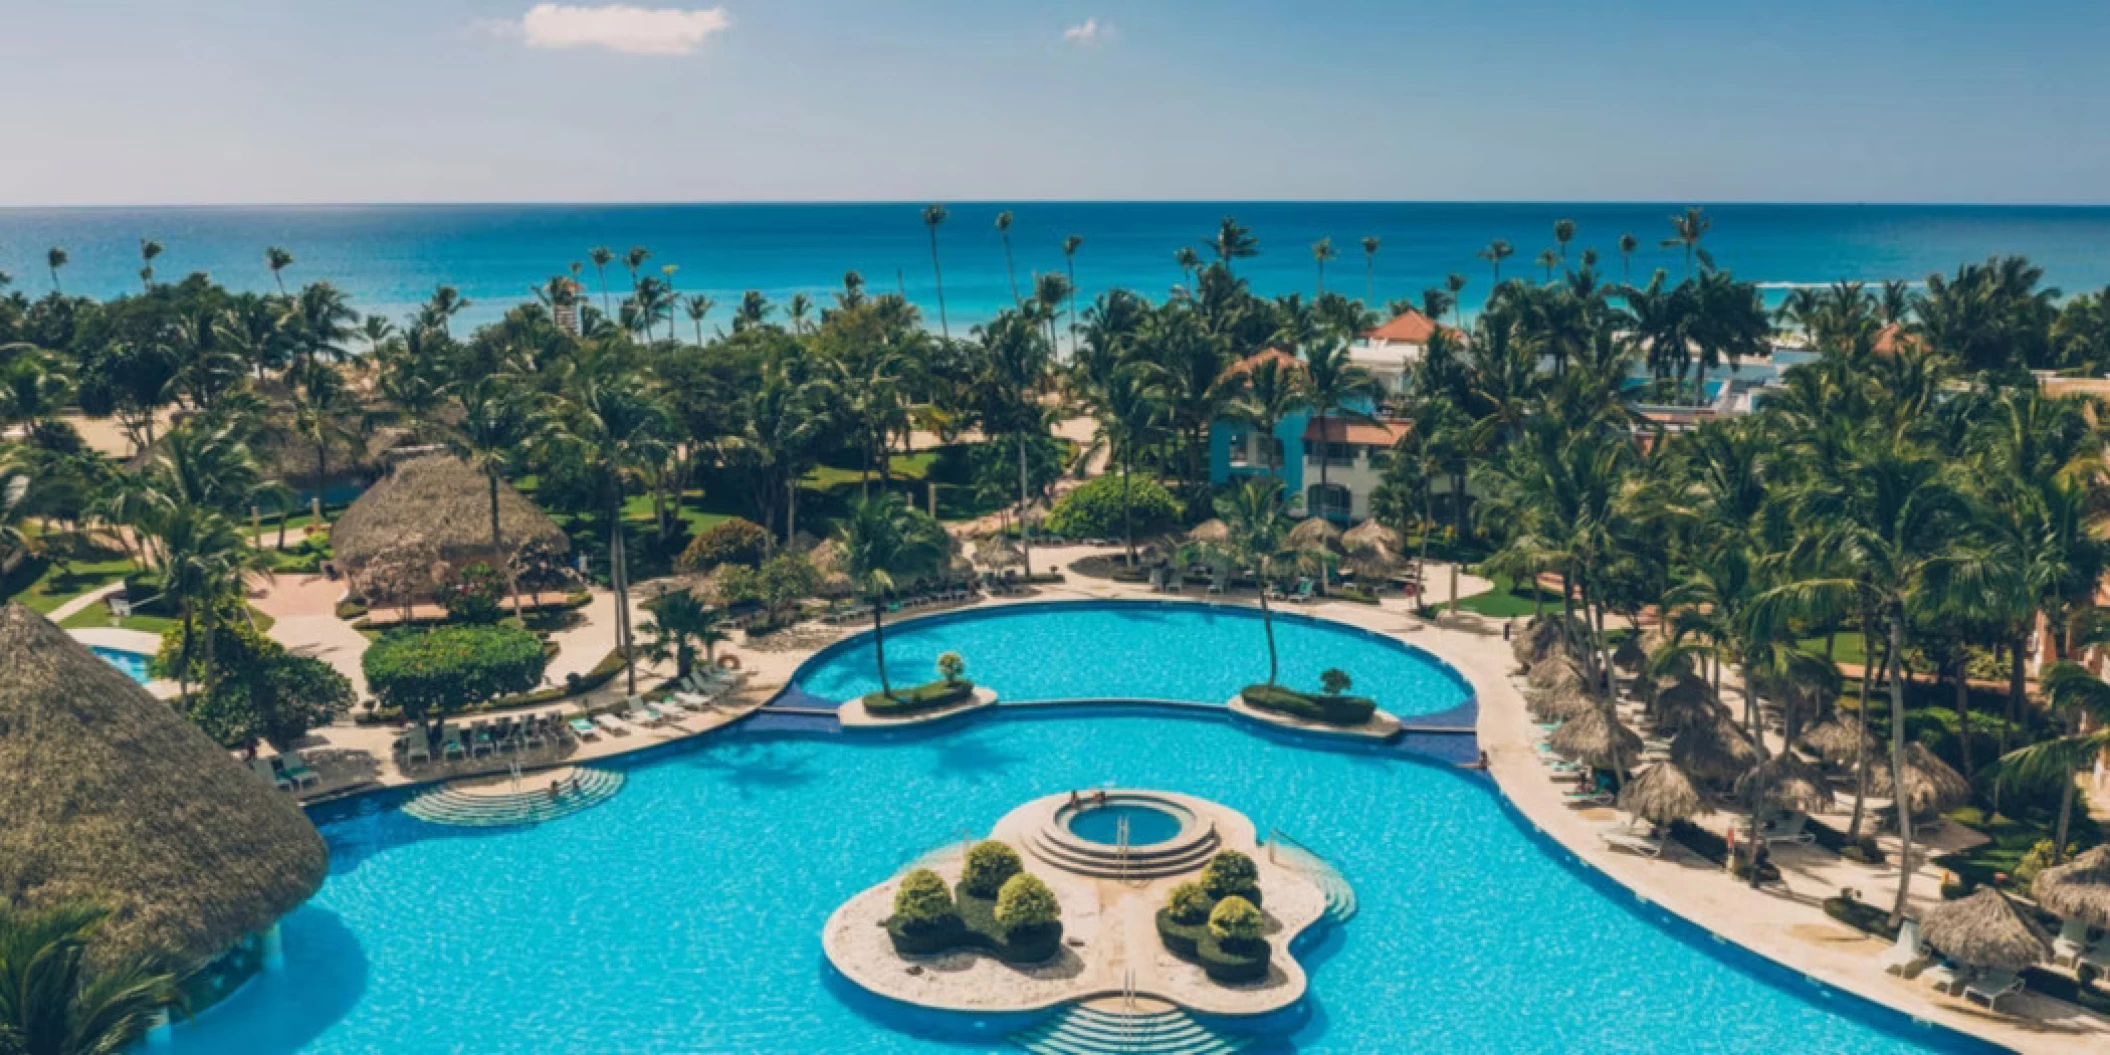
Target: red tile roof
{"points": [[1282, 360], [1341, 430], [1411, 328], [1890, 338]]}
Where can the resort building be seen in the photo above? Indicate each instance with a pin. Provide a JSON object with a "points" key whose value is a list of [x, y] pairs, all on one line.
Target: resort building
{"points": [[1331, 466]]}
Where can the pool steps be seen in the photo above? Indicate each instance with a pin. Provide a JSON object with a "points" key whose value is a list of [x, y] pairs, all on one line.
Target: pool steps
{"points": [[530, 805], [1079, 1030], [1341, 903]]}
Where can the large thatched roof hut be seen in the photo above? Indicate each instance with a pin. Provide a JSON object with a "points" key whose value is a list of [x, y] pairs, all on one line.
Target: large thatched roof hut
{"points": [[1931, 786], [1783, 782], [109, 796], [2078, 889], [1841, 739], [1663, 794], [1715, 751], [1596, 738], [1987, 930], [438, 509]]}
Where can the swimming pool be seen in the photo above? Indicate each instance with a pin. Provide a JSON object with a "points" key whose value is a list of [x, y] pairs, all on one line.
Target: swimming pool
{"points": [[684, 914], [1135, 650], [134, 664], [1146, 824]]}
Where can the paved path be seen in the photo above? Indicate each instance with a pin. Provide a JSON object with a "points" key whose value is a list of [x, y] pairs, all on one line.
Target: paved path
{"points": [[74, 606]]}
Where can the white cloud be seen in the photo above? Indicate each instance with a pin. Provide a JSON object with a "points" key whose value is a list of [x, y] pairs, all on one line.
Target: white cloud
{"points": [[619, 27], [1089, 31]]}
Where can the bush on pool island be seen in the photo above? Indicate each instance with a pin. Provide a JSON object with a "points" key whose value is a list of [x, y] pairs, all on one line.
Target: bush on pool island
{"points": [[1234, 919], [1216, 922], [1189, 903], [1232, 874], [1024, 904], [923, 902], [1020, 923], [989, 865], [934, 696], [1312, 706]]}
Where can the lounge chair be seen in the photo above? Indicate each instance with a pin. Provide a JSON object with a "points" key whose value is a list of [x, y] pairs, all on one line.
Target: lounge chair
{"points": [[694, 702], [1991, 985], [2098, 958], [1789, 830], [1304, 594], [1943, 976], [480, 739], [417, 747], [1633, 842], [1218, 581], [609, 724], [1906, 955], [1589, 798], [672, 701], [294, 768], [451, 746], [531, 732], [264, 768], [2072, 941], [584, 728], [642, 713]]}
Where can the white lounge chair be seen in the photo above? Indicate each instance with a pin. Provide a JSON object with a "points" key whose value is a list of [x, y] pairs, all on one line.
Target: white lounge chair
{"points": [[1634, 842], [609, 724], [584, 728], [2098, 958], [2072, 941], [642, 713], [1991, 985], [1944, 977], [1790, 830], [416, 748], [1907, 954]]}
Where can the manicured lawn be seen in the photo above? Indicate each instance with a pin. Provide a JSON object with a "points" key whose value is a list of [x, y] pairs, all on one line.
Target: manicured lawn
{"points": [[97, 616], [2011, 838], [1847, 647], [1506, 601], [56, 586]]}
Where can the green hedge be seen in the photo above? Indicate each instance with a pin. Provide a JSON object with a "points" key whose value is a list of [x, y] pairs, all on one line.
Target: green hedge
{"points": [[974, 926], [931, 697], [1230, 963], [424, 673], [1093, 510], [1311, 706]]}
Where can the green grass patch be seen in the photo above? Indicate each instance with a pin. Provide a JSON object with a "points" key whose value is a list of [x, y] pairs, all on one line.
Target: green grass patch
{"points": [[1506, 600], [2009, 838], [931, 697], [55, 585]]}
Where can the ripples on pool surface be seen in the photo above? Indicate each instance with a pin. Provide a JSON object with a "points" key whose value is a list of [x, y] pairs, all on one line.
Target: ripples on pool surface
{"points": [[1131, 651], [684, 915]]}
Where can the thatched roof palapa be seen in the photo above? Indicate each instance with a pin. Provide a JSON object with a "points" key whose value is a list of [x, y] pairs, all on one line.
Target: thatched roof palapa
{"points": [[2078, 889], [1561, 703], [1783, 782], [1315, 533], [1931, 786], [1986, 930], [113, 798], [1213, 532], [1716, 752], [1840, 739], [445, 505], [1630, 656], [1596, 738], [1663, 794], [1370, 534], [1554, 671]]}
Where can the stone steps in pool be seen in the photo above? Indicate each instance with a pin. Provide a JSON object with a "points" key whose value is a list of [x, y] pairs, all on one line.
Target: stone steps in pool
{"points": [[530, 805], [1081, 1030], [1108, 862], [1341, 903]]}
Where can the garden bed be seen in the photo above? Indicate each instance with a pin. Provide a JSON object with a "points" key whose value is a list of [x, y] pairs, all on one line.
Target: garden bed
{"points": [[1310, 706], [937, 695], [974, 926]]}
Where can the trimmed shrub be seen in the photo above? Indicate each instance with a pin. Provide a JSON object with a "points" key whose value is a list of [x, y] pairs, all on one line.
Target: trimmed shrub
{"points": [[477, 595], [1334, 681], [1234, 919], [1025, 903], [429, 673], [931, 697], [989, 865], [733, 541], [1094, 509], [1188, 903], [1232, 963], [1317, 707], [950, 666], [1232, 874], [922, 902]]}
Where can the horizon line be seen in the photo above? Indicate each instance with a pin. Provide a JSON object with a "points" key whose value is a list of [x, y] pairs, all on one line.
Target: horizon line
{"points": [[728, 203]]}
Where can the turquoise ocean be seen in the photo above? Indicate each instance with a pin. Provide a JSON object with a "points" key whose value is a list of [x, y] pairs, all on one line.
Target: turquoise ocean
{"points": [[390, 257]]}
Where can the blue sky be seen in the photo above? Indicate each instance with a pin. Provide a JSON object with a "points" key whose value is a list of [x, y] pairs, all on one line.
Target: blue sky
{"points": [[153, 101]]}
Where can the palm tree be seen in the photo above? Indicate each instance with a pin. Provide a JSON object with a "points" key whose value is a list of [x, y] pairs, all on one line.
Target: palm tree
{"points": [[203, 562], [1003, 231], [1014, 370], [1233, 241], [1270, 392], [1496, 252], [700, 305], [2074, 693], [885, 541], [602, 256], [1130, 414], [54, 259], [1687, 229], [614, 426], [1334, 384], [1189, 262], [635, 259], [1259, 525], [1454, 284], [1627, 244], [496, 428], [797, 309], [680, 622], [1070, 245], [1563, 233], [1323, 252], [933, 215], [148, 250], [56, 1000], [278, 260], [446, 303], [1549, 260], [1369, 269], [326, 413]]}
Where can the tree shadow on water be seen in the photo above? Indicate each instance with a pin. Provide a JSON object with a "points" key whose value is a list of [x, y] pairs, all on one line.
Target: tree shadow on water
{"points": [[287, 1010], [973, 756], [747, 768]]}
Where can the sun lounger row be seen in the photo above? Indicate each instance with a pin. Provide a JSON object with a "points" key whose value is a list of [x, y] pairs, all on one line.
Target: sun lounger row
{"points": [[1910, 956], [481, 738], [286, 772], [858, 613]]}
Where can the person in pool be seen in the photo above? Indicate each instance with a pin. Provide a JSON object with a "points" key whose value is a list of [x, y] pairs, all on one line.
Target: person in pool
{"points": [[1099, 797], [1075, 801]]}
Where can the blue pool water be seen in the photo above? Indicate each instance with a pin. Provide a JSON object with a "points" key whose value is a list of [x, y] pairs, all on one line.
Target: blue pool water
{"points": [[684, 915], [132, 663], [1111, 650], [1146, 824]]}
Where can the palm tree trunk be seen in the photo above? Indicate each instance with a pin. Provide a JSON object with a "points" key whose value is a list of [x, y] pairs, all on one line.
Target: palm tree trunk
{"points": [[1025, 527], [1128, 527], [1011, 272], [944, 327], [619, 578], [1897, 766], [1267, 624], [1963, 711], [791, 509], [1868, 670], [498, 548], [879, 643]]}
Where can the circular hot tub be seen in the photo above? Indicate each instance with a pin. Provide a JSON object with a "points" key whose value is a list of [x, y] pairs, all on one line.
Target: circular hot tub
{"points": [[1117, 834]]}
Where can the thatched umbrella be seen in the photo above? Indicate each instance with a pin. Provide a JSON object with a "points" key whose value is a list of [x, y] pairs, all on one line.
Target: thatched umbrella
{"points": [[1679, 712], [1561, 703], [2078, 889], [1840, 739], [1782, 782], [1716, 752], [1552, 671], [1663, 795], [998, 551], [1371, 533], [828, 559], [1986, 930], [110, 796], [1315, 533], [1630, 656], [1212, 532], [1596, 738], [1931, 786], [445, 505]]}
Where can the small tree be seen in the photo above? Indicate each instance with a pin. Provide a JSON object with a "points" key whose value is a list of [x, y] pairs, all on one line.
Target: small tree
{"points": [[1334, 681], [1232, 874], [429, 675], [783, 581], [476, 595], [951, 666], [1188, 903], [679, 623], [922, 900], [1236, 920], [989, 864], [733, 541], [1025, 903]]}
